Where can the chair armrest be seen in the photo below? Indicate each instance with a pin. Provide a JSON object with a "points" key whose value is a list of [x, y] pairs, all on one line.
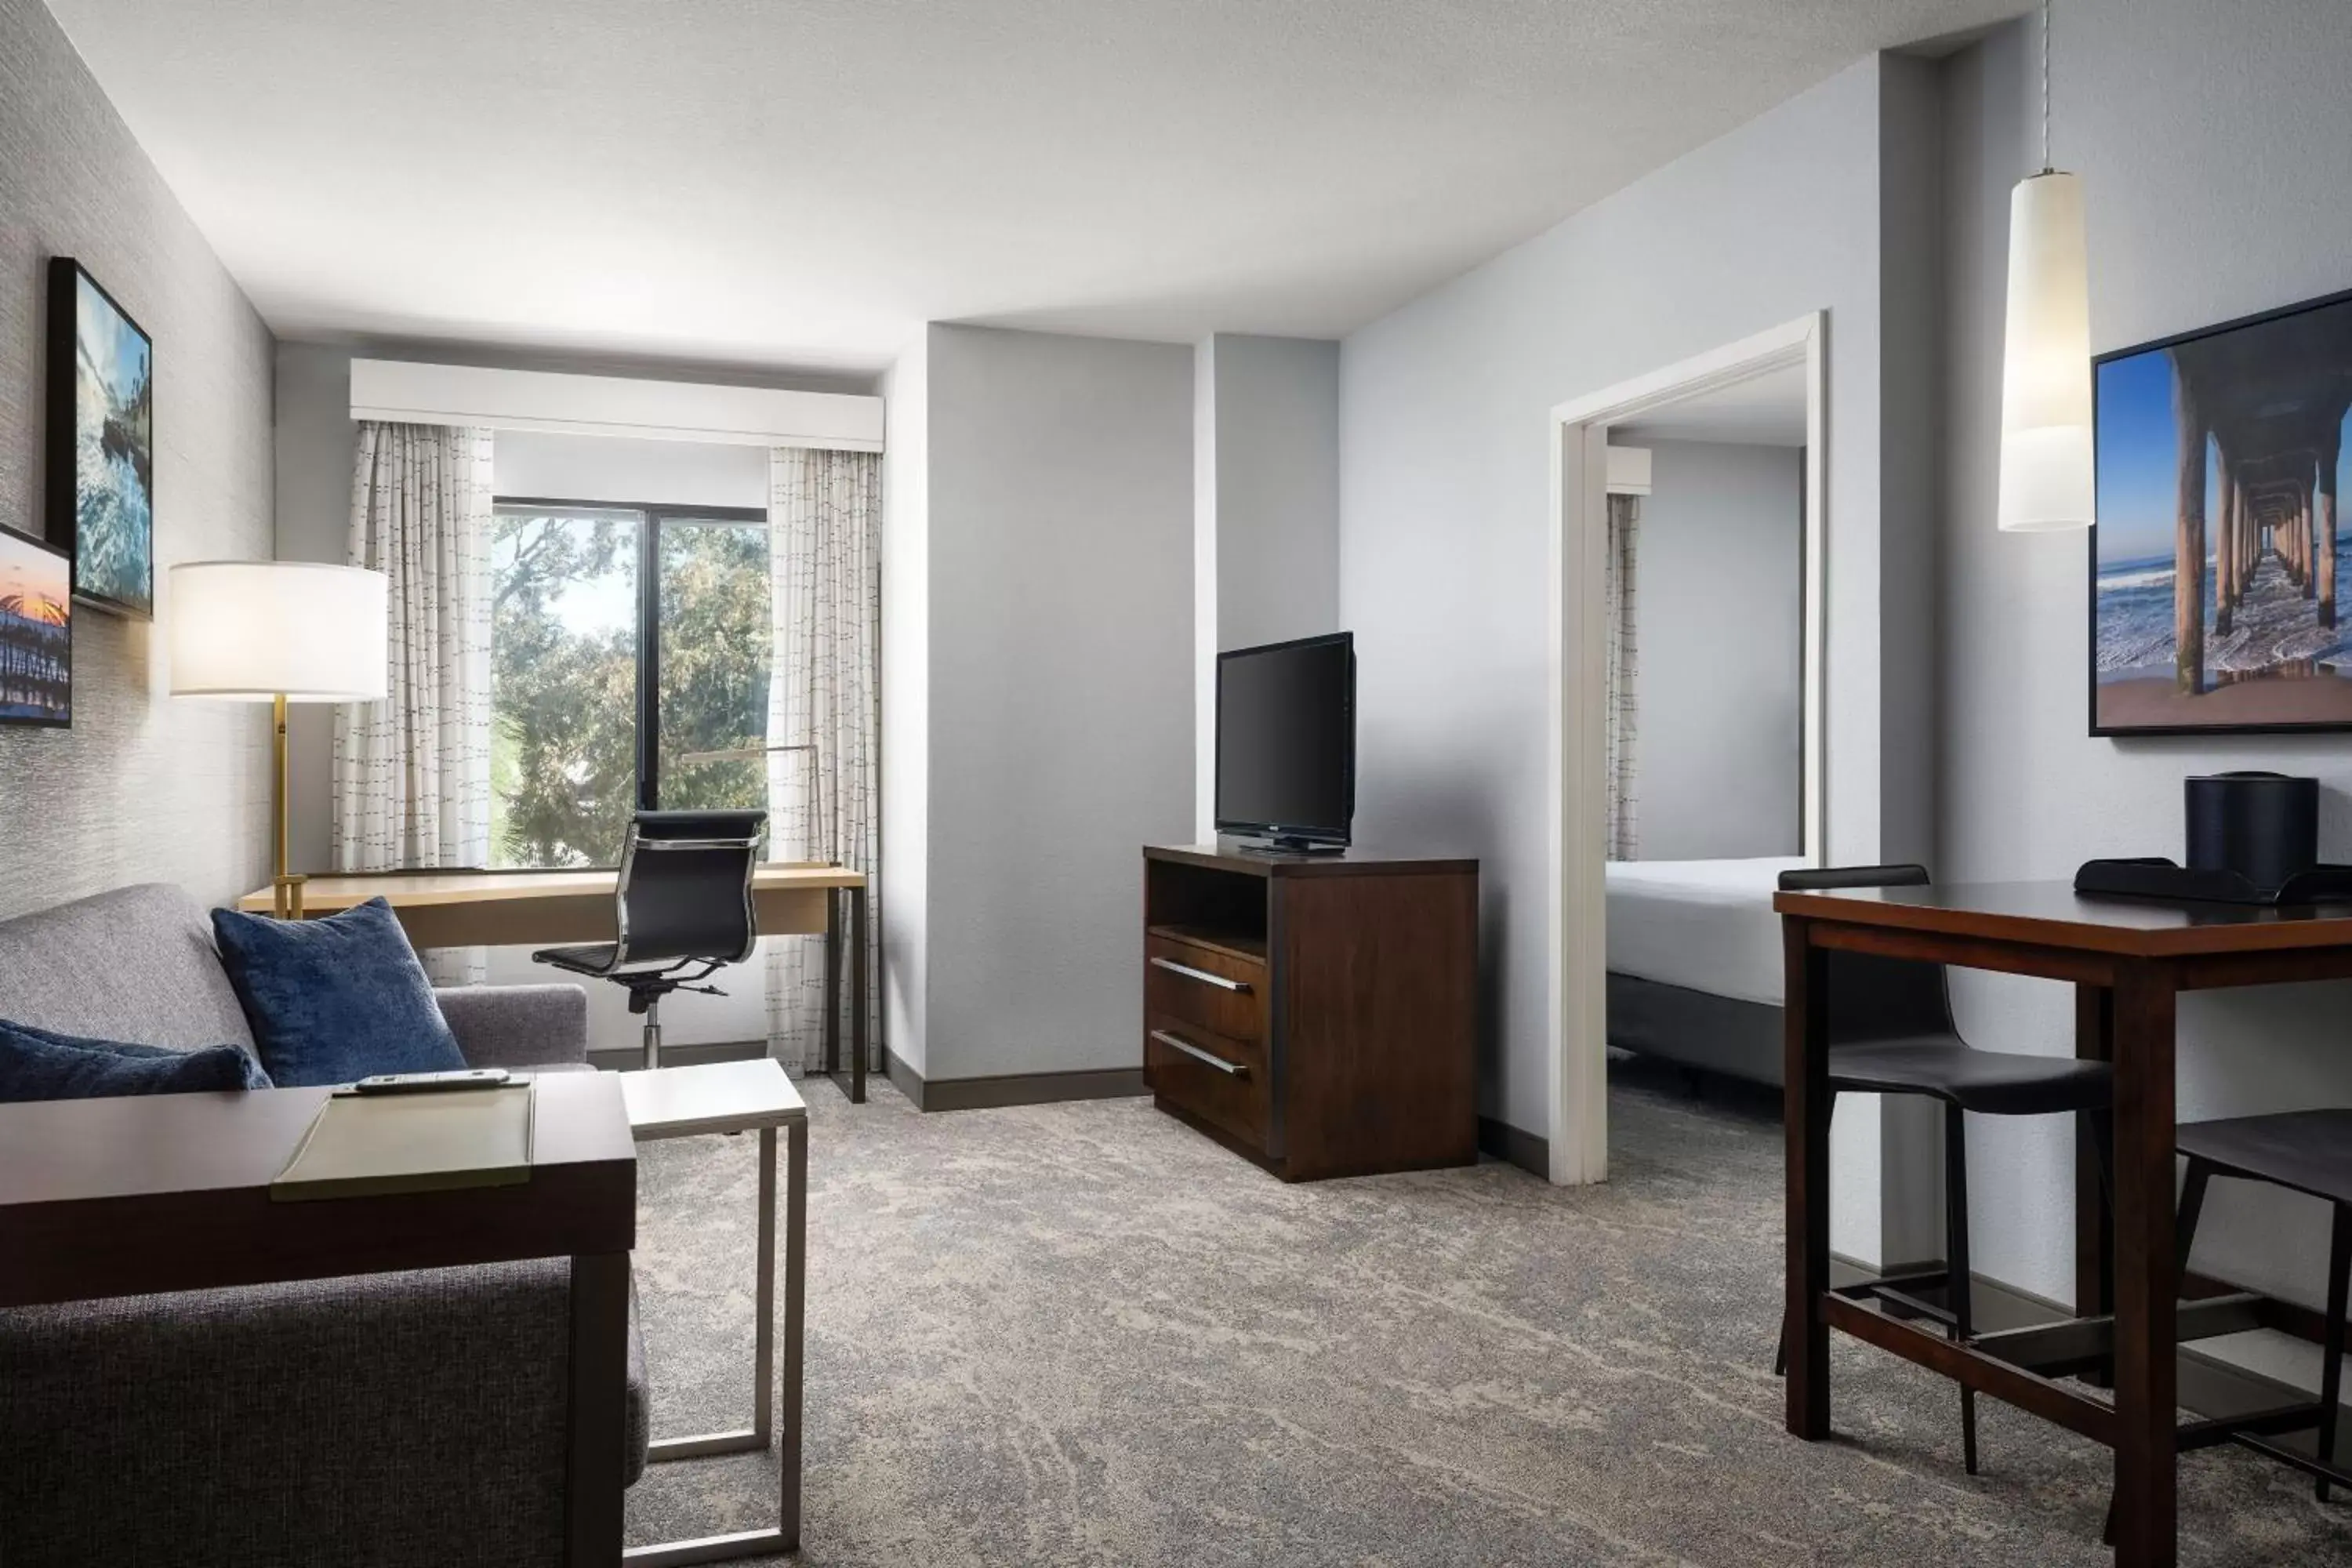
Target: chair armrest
{"points": [[518, 1026]]}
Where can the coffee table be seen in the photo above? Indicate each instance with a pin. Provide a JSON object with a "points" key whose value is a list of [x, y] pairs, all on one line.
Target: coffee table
{"points": [[742, 1096]]}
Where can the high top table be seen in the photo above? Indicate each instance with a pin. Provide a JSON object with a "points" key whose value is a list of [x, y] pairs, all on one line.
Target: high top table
{"points": [[2127, 962], [542, 908]]}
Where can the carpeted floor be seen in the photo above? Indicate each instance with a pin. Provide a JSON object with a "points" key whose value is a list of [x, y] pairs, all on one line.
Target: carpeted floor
{"points": [[1080, 1333]]}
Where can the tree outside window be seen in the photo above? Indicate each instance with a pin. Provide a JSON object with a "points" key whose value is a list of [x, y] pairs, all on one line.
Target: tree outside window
{"points": [[608, 623]]}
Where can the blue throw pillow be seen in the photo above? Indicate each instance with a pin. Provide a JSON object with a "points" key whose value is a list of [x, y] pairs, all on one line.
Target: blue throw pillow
{"points": [[334, 1000], [38, 1064]]}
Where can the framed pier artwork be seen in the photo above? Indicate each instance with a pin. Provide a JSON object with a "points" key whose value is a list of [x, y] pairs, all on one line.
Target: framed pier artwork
{"points": [[2218, 555]]}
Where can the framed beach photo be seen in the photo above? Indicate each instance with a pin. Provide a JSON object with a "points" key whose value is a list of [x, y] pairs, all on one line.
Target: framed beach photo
{"points": [[36, 632], [101, 445], [2218, 564]]}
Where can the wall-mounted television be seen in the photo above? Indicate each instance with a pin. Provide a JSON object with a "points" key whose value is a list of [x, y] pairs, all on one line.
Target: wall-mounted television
{"points": [[1286, 742]]}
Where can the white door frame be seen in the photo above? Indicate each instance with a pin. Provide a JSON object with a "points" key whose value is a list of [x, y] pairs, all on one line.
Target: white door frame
{"points": [[1579, 665]]}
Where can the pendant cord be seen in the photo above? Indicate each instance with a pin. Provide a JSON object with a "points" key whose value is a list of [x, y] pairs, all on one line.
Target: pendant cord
{"points": [[2045, 86]]}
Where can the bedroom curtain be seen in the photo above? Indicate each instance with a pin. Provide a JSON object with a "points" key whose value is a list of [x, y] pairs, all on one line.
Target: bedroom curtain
{"points": [[824, 561], [1624, 661], [411, 773]]}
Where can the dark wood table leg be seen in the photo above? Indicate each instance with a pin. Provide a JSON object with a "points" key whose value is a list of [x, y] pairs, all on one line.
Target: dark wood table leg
{"points": [[832, 981], [2095, 1229], [2146, 1284], [795, 1330], [1806, 1064], [858, 1039], [599, 1394]]}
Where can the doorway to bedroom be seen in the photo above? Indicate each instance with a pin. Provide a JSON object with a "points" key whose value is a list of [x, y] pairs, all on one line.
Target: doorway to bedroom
{"points": [[1689, 601]]}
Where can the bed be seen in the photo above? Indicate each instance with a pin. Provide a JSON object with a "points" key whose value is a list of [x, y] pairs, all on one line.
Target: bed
{"points": [[1694, 963]]}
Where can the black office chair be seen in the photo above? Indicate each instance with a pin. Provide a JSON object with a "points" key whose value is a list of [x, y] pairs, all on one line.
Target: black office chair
{"points": [[682, 909], [1891, 1032]]}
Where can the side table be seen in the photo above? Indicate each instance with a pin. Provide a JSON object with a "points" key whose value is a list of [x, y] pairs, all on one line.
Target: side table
{"points": [[742, 1096]]}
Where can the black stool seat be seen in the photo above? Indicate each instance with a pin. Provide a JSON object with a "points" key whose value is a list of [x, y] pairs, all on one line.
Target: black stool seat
{"points": [[1994, 1083], [2308, 1151]]}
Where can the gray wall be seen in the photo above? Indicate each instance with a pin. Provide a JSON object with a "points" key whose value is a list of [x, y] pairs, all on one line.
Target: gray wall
{"points": [[904, 894], [1445, 484], [2182, 159], [1277, 465], [1060, 725], [143, 787], [1718, 622], [1266, 508]]}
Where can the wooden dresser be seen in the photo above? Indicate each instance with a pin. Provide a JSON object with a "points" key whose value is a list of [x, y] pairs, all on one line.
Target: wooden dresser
{"points": [[1317, 1014]]}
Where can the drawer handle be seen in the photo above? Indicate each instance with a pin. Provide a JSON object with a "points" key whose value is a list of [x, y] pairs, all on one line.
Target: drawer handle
{"points": [[1231, 1070], [1202, 975]]}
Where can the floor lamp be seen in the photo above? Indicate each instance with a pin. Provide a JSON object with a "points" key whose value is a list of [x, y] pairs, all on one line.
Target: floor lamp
{"points": [[278, 632]]}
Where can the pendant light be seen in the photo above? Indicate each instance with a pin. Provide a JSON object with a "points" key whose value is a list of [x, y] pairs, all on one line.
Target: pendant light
{"points": [[2046, 480]]}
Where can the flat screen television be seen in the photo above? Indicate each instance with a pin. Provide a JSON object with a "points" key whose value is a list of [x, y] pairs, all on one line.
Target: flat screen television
{"points": [[1286, 742]]}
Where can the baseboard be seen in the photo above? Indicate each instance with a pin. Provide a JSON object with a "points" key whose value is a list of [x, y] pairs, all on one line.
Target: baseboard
{"points": [[1011, 1089], [1513, 1146], [622, 1058]]}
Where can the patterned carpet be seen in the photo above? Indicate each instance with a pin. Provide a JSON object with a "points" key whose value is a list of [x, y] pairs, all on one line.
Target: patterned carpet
{"points": [[1080, 1333]]}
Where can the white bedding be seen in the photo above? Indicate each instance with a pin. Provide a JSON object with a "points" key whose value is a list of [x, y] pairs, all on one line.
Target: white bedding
{"points": [[1706, 925]]}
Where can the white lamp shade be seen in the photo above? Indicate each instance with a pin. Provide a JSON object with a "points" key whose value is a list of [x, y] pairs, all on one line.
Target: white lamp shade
{"points": [[252, 630], [2047, 479]]}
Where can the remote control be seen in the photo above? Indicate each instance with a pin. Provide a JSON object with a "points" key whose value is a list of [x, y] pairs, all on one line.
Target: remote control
{"points": [[432, 1082]]}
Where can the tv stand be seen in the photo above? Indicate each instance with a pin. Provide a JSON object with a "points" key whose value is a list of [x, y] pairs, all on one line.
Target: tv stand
{"points": [[1313, 1013]]}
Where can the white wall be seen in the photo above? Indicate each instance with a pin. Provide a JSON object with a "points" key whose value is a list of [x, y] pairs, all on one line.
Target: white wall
{"points": [[905, 899], [2193, 127], [1445, 461], [1719, 589], [1265, 509], [1061, 630], [145, 786]]}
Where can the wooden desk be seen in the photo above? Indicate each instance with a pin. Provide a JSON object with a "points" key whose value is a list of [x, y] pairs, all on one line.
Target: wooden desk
{"points": [[153, 1193], [537, 909], [2127, 962]]}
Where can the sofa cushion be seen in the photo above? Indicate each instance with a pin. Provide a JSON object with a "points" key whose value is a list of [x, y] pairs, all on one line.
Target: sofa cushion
{"points": [[39, 1064], [336, 999], [135, 964]]}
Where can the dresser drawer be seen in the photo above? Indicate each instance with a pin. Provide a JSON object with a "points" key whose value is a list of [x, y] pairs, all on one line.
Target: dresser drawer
{"points": [[1214, 990], [1216, 1078]]}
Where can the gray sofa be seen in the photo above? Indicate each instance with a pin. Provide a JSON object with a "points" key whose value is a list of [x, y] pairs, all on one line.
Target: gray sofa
{"points": [[395, 1419]]}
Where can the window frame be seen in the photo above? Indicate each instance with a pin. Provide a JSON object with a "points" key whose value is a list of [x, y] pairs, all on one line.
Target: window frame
{"points": [[654, 516]]}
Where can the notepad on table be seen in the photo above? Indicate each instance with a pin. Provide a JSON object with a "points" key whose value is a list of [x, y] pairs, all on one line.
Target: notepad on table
{"points": [[377, 1145]]}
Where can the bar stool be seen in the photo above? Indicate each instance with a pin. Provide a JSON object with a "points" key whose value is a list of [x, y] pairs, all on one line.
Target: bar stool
{"points": [[2307, 1151], [1891, 1032]]}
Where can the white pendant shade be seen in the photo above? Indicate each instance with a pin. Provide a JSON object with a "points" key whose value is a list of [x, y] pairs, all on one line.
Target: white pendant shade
{"points": [[2046, 475], [253, 630]]}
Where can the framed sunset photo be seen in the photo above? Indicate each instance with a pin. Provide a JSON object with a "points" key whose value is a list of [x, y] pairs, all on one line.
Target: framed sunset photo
{"points": [[101, 454], [2219, 553], [36, 632]]}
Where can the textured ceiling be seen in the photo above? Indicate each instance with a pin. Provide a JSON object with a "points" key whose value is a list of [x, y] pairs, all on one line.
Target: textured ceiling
{"points": [[762, 182]]}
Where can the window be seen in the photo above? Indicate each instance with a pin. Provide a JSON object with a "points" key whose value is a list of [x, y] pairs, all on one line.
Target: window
{"points": [[626, 642]]}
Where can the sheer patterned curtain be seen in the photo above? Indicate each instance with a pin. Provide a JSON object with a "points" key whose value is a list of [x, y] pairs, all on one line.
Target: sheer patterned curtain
{"points": [[1624, 710], [412, 779], [825, 563]]}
